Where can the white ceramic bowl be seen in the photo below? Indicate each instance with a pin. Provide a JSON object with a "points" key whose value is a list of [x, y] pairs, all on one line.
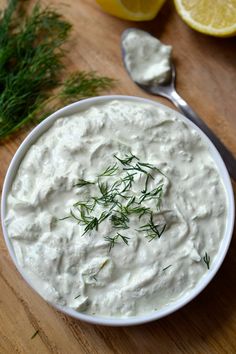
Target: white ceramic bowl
{"points": [[79, 106]]}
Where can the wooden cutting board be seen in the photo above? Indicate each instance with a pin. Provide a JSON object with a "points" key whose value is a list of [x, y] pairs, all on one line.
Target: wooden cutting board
{"points": [[206, 77]]}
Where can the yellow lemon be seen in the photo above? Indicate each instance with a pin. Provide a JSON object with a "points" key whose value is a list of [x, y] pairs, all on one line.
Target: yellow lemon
{"points": [[135, 10], [213, 17]]}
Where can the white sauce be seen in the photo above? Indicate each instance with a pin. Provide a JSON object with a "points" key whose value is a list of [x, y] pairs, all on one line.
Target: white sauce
{"points": [[61, 264], [146, 58]]}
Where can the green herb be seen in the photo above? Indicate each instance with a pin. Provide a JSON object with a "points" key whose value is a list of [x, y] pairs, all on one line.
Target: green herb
{"points": [[128, 181], [109, 171], [127, 159], [82, 183], [35, 334], [103, 216], [82, 205], [113, 240], [119, 221], [77, 296], [119, 201], [167, 267], [135, 167], [92, 224], [66, 217], [32, 69], [152, 167], [72, 214], [153, 231], [155, 193], [207, 259], [126, 210]]}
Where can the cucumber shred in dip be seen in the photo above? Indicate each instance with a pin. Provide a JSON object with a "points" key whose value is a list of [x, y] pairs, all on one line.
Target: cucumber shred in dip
{"points": [[114, 268]]}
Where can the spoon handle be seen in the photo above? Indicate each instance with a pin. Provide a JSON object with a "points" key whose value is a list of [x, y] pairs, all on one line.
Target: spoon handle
{"points": [[226, 155]]}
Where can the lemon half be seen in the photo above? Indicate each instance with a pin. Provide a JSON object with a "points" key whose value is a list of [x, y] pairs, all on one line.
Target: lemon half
{"points": [[135, 10], [213, 17]]}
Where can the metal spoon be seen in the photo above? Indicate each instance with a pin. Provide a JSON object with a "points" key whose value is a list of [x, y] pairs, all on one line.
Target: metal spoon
{"points": [[168, 91]]}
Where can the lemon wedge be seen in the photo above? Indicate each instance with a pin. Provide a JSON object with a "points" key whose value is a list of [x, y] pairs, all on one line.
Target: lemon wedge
{"points": [[216, 18], [134, 10]]}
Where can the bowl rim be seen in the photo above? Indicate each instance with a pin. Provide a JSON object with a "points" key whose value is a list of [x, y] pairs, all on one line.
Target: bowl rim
{"points": [[205, 280]]}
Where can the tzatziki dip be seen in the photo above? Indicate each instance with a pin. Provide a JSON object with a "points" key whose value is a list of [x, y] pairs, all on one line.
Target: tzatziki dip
{"points": [[147, 59], [118, 210]]}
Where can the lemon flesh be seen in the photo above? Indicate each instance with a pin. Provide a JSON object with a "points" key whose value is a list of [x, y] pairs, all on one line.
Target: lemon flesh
{"points": [[216, 18], [134, 10]]}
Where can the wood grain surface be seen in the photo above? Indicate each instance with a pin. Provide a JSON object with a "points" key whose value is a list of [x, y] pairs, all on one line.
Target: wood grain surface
{"points": [[206, 78]]}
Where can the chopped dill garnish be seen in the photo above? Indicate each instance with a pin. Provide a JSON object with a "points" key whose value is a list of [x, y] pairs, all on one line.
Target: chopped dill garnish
{"points": [[207, 259], [113, 240], [66, 217], [83, 205], [72, 214], [153, 231], [155, 193], [119, 201], [82, 183], [167, 267], [103, 216], [109, 171], [136, 167], [127, 159], [128, 181], [77, 297], [92, 224], [119, 221], [35, 334]]}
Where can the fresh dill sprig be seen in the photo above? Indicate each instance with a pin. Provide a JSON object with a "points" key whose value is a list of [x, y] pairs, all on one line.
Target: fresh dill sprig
{"points": [[131, 201], [207, 259], [104, 216], [82, 182], [136, 167], [82, 205], [104, 188], [130, 209], [127, 159], [113, 240], [128, 181], [144, 191], [119, 221], [92, 224], [33, 80], [108, 194], [65, 217], [82, 84], [72, 214], [167, 267], [156, 193], [109, 171], [153, 230]]}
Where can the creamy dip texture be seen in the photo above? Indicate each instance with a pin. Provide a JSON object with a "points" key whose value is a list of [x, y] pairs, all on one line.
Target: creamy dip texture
{"points": [[85, 272], [146, 58]]}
